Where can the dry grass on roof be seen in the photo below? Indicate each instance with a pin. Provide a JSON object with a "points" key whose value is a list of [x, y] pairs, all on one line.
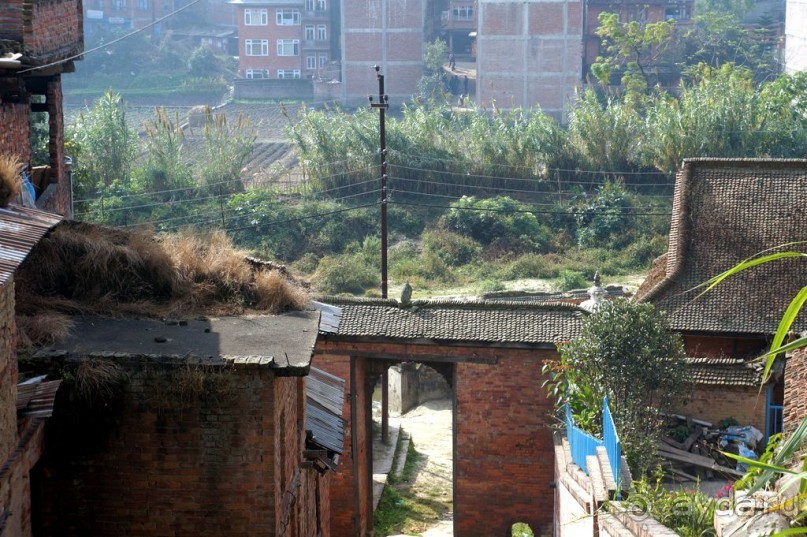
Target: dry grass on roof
{"points": [[82, 268]]}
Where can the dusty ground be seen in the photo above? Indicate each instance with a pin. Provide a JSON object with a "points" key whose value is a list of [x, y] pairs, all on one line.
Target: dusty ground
{"points": [[430, 427]]}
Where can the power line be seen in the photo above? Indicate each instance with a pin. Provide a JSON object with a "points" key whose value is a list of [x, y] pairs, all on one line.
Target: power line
{"points": [[126, 36], [509, 211]]}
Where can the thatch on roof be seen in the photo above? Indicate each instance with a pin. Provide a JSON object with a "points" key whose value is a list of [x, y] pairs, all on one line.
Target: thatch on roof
{"points": [[86, 268]]}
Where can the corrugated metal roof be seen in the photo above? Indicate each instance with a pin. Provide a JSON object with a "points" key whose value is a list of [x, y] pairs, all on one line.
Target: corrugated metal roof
{"points": [[325, 398], [20, 229], [326, 429], [35, 397]]}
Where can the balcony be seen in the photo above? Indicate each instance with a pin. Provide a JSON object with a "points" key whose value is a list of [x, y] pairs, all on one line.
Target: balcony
{"points": [[46, 31]]}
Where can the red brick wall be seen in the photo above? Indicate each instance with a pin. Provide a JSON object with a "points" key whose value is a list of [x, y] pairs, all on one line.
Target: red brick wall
{"points": [[502, 436], [716, 347], [55, 26], [169, 459], [504, 453], [15, 131], [342, 489]]}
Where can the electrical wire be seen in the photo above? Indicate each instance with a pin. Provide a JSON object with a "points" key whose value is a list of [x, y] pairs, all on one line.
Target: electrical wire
{"points": [[114, 41]]}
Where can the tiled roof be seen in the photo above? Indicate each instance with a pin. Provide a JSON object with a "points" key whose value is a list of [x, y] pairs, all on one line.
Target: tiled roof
{"points": [[724, 211], [451, 320], [725, 371]]}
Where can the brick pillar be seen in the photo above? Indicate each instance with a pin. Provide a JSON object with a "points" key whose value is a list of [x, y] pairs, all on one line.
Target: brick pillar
{"points": [[8, 372], [795, 390], [63, 201]]}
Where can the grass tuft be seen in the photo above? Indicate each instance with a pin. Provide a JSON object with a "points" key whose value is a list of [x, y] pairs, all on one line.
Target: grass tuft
{"points": [[10, 180]]}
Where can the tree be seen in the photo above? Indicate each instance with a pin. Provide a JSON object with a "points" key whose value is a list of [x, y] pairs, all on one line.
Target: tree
{"points": [[431, 86], [105, 147], [628, 353], [631, 48]]}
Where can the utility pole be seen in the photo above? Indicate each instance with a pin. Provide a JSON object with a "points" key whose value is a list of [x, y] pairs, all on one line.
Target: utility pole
{"points": [[383, 105]]}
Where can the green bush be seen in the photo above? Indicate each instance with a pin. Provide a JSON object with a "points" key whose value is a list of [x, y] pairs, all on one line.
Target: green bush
{"points": [[605, 219], [571, 279], [454, 249], [500, 219], [345, 274]]}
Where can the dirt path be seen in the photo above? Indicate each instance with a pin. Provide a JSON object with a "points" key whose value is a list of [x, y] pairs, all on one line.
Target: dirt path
{"points": [[430, 427]]}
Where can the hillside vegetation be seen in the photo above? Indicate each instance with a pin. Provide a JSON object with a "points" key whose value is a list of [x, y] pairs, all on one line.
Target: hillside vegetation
{"points": [[476, 197]]}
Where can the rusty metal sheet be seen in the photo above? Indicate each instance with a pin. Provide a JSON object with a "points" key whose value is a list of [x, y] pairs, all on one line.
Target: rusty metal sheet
{"points": [[325, 398], [20, 229]]}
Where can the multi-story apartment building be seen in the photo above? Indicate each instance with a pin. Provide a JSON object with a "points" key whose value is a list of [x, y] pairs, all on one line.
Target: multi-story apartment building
{"points": [[284, 38]]}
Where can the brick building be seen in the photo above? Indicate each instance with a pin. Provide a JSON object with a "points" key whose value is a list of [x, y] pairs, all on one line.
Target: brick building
{"points": [[387, 33], [285, 39], [724, 211], [196, 428], [38, 42], [491, 354], [529, 54]]}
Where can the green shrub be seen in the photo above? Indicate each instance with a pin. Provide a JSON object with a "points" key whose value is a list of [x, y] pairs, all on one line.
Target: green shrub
{"points": [[497, 219], [571, 279], [605, 219], [454, 249], [345, 274], [490, 286]]}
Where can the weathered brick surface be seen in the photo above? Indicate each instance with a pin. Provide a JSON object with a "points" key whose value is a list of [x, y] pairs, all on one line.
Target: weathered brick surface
{"points": [[8, 372], [795, 390], [746, 404], [172, 459], [502, 435], [55, 26], [504, 453], [14, 135]]}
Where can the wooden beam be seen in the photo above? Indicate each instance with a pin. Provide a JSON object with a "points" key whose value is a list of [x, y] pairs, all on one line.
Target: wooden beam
{"points": [[411, 357]]}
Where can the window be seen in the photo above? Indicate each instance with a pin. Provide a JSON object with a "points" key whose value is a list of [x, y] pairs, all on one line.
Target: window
{"points": [[678, 13], [309, 5], [257, 47], [288, 17], [311, 62], [256, 17], [322, 32], [288, 47], [143, 5], [309, 32], [637, 13], [323, 60], [257, 73], [463, 13], [321, 5], [118, 4], [288, 73]]}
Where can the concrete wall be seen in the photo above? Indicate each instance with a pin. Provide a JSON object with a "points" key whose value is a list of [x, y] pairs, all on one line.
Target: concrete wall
{"points": [[387, 33], [250, 88], [183, 450], [796, 36], [413, 384], [746, 404], [502, 434], [529, 54]]}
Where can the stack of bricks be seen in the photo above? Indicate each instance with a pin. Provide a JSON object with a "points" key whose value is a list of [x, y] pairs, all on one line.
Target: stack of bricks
{"points": [[795, 390]]}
